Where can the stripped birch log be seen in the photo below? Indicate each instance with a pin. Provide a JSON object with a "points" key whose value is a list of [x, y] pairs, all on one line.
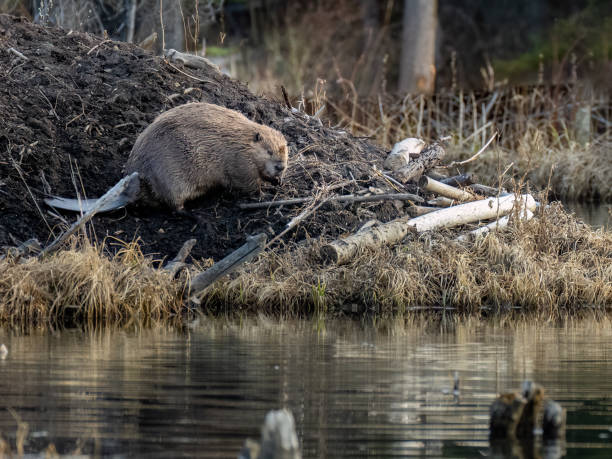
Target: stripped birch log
{"points": [[402, 151], [428, 158], [342, 250], [525, 215], [448, 191]]}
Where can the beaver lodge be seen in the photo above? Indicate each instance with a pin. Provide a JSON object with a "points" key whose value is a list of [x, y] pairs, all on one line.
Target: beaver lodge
{"points": [[336, 238]]}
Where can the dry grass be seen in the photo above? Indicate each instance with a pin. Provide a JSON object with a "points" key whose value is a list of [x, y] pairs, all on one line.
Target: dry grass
{"points": [[84, 286], [550, 267], [539, 127]]}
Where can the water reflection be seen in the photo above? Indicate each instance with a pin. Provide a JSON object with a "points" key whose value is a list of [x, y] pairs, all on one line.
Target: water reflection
{"points": [[353, 392], [596, 215]]}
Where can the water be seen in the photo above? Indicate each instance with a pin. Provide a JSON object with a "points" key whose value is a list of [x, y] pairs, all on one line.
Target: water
{"points": [[596, 215], [354, 392]]}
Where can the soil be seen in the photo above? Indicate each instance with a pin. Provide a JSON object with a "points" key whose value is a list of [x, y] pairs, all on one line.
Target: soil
{"points": [[71, 112]]}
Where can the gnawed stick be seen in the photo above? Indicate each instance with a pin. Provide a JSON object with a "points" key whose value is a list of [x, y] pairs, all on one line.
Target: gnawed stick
{"points": [[448, 191], [342, 250], [245, 253], [341, 198], [109, 196], [178, 262]]}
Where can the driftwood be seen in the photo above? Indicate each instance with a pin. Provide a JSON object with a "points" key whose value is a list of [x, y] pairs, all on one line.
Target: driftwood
{"points": [[342, 250], [448, 191], [243, 254], [110, 196], [428, 158], [345, 198], [178, 262]]}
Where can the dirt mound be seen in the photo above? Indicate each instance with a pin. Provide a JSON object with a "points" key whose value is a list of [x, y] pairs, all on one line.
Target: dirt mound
{"points": [[72, 106]]}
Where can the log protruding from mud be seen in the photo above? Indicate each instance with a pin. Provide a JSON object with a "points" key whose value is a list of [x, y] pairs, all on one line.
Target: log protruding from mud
{"points": [[278, 439], [244, 253], [429, 158], [448, 191], [342, 250]]}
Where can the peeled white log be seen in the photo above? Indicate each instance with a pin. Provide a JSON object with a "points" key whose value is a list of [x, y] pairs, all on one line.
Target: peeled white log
{"points": [[448, 191], [400, 154], [525, 215], [342, 250]]}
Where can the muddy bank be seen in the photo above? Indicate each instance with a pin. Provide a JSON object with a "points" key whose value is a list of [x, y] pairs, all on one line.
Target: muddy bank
{"points": [[72, 106]]}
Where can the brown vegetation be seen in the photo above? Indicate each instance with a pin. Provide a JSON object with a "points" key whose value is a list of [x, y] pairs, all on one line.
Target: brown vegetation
{"points": [[549, 267]]}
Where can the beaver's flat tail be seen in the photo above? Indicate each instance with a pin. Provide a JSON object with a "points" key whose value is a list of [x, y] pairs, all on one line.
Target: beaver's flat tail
{"points": [[127, 196]]}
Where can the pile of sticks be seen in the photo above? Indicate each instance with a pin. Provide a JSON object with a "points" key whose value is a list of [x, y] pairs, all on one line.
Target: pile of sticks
{"points": [[439, 202]]}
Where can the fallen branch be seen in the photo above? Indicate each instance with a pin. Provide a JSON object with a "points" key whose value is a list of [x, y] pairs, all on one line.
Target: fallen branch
{"points": [[429, 158], [342, 250], [344, 198], [448, 191], [245, 253], [110, 196]]}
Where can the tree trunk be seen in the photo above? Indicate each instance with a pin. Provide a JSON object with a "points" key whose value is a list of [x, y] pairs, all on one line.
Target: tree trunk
{"points": [[417, 66]]}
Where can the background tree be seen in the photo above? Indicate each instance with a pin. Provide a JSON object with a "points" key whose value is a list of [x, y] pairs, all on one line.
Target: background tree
{"points": [[417, 65]]}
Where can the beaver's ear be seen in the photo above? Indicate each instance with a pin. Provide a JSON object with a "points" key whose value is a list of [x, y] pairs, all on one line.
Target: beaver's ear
{"points": [[257, 137]]}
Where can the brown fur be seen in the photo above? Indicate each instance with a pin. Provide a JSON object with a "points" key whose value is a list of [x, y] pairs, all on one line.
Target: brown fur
{"points": [[192, 148]]}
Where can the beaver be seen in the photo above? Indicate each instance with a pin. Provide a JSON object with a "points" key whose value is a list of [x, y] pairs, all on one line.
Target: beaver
{"points": [[192, 148]]}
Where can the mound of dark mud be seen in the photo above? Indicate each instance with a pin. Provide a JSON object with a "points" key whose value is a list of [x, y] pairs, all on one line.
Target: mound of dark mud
{"points": [[72, 109]]}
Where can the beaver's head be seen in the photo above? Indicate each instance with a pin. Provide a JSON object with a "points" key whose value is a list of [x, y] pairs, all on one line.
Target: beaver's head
{"points": [[270, 154]]}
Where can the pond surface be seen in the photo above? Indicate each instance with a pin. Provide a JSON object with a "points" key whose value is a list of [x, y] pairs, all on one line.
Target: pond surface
{"points": [[354, 392], [596, 215]]}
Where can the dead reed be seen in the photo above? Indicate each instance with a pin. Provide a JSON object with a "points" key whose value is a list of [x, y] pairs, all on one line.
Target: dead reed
{"points": [[550, 267], [558, 136], [85, 286]]}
